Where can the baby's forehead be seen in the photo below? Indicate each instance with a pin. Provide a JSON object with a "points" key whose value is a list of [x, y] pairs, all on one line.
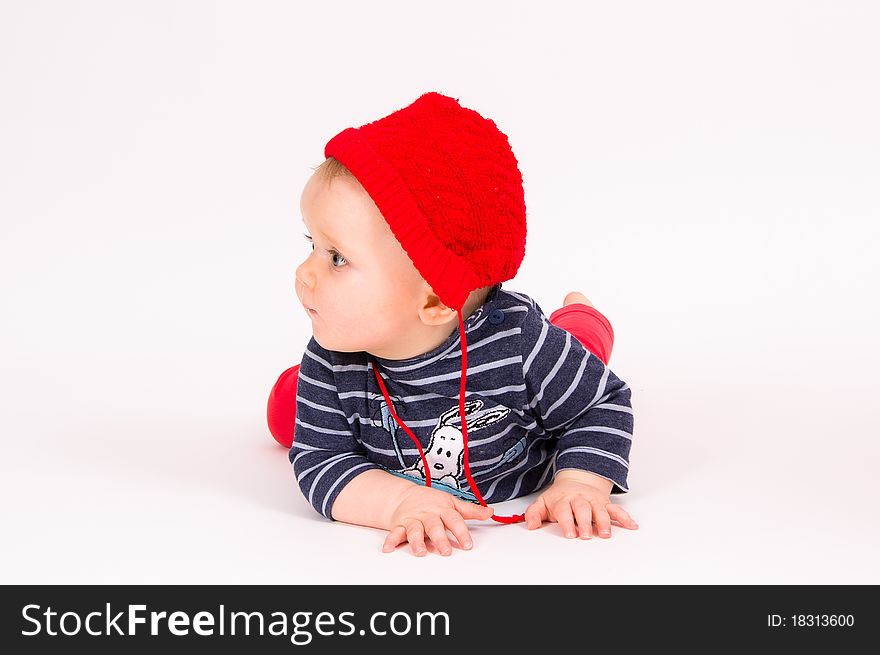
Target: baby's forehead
{"points": [[342, 204]]}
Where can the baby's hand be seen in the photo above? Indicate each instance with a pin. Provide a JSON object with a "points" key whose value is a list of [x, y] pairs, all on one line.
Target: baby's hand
{"points": [[425, 511], [572, 498]]}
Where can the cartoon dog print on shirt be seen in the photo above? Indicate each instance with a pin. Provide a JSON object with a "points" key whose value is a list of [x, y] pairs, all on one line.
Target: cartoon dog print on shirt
{"points": [[445, 452]]}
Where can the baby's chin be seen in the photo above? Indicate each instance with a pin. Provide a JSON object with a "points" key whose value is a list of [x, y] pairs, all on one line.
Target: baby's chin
{"points": [[336, 345], [343, 348], [340, 344]]}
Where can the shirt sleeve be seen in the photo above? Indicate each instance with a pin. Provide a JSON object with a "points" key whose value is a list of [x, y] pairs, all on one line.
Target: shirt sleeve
{"points": [[572, 394], [325, 453]]}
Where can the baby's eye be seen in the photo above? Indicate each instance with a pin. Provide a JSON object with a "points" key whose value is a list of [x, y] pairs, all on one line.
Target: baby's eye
{"points": [[334, 254]]}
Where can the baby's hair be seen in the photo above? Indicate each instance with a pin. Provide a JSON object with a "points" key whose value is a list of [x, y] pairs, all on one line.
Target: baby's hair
{"points": [[331, 168]]}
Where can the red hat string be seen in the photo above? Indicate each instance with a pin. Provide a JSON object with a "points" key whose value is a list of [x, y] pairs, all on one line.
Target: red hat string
{"points": [[515, 518]]}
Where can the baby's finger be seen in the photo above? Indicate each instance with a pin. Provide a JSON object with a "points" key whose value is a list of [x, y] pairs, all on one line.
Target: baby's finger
{"points": [[583, 514], [458, 527], [396, 536], [536, 514], [601, 517], [437, 532], [621, 516], [415, 535], [472, 511], [562, 514]]}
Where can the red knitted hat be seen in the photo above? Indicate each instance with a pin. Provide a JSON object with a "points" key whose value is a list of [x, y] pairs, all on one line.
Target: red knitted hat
{"points": [[447, 183]]}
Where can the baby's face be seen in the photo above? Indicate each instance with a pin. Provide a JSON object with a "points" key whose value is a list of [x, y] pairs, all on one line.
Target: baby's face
{"points": [[357, 284]]}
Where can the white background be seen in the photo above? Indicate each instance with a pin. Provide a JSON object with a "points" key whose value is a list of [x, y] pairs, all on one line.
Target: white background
{"points": [[707, 173]]}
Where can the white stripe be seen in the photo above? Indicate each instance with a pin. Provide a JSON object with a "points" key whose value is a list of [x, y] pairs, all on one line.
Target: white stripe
{"points": [[357, 393], [455, 375], [320, 430], [330, 465], [552, 374], [315, 383], [574, 385], [419, 397], [389, 451], [550, 464], [528, 363], [611, 393], [323, 462], [522, 298], [602, 384], [322, 408], [590, 406], [595, 451], [297, 443], [494, 437], [323, 362], [614, 408], [483, 342], [601, 428], [484, 463]]}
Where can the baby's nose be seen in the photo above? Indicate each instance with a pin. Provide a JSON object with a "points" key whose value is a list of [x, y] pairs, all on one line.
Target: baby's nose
{"points": [[301, 280]]}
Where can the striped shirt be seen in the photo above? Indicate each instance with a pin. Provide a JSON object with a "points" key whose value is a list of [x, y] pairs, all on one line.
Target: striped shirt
{"points": [[536, 402]]}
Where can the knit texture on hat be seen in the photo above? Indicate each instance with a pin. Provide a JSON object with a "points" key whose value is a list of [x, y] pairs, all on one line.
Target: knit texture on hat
{"points": [[448, 184]]}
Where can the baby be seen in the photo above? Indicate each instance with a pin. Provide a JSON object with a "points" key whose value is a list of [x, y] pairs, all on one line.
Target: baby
{"points": [[428, 391]]}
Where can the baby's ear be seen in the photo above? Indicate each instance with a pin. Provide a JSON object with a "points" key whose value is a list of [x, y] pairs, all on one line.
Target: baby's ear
{"points": [[433, 312]]}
